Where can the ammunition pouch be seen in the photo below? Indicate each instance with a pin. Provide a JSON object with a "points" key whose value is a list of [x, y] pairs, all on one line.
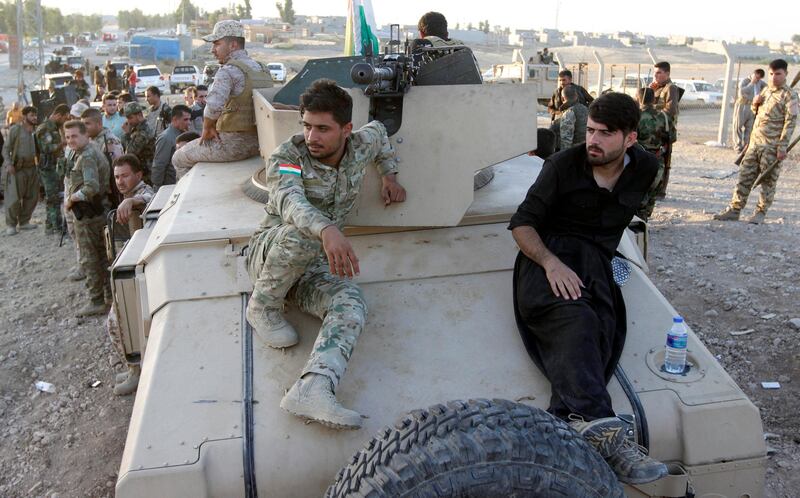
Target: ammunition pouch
{"points": [[83, 210]]}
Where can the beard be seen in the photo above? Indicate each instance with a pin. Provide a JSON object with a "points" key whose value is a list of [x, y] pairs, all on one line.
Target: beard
{"points": [[603, 157]]}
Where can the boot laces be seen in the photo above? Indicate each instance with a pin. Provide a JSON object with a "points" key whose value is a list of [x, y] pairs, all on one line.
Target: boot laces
{"points": [[633, 452]]}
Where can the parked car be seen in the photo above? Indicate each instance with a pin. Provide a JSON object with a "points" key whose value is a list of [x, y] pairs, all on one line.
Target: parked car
{"points": [[698, 92], [184, 76], [278, 71], [150, 75], [31, 59], [59, 80], [102, 50], [3, 47], [68, 50], [630, 84], [75, 62], [119, 65]]}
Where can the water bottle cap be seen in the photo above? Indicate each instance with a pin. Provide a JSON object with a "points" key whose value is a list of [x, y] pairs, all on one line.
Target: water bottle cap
{"points": [[677, 319]]}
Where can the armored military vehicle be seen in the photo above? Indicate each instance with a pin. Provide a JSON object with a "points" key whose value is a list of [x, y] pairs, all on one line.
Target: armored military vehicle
{"points": [[452, 400]]}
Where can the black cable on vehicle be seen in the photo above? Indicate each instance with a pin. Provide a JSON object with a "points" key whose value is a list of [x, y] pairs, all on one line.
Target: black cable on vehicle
{"points": [[248, 452], [636, 403]]}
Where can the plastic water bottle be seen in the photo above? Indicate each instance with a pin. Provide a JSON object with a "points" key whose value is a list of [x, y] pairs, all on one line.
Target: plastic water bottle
{"points": [[675, 355]]}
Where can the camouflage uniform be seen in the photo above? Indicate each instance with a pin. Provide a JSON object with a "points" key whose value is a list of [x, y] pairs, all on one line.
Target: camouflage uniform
{"points": [[556, 105], [653, 136], [48, 144], [233, 145], [286, 256], [141, 143], [773, 129], [88, 178], [81, 89], [572, 126], [667, 99], [21, 188], [109, 145], [158, 119]]}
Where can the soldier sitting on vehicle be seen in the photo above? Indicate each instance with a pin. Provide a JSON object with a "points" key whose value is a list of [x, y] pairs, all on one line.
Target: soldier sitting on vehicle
{"points": [[300, 253], [569, 308], [433, 28]]}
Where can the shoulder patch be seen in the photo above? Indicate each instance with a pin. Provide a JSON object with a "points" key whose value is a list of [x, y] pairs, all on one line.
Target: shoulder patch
{"points": [[290, 169]]}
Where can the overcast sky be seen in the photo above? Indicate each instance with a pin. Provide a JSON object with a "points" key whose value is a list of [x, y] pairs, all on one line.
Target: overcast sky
{"points": [[705, 18]]}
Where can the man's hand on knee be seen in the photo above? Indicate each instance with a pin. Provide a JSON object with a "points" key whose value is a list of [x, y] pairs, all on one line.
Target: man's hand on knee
{"points": [[563, 281], [341, 257]]}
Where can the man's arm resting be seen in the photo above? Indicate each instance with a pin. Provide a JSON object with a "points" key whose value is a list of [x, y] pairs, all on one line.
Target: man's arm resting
{"points": [[563, 281]]}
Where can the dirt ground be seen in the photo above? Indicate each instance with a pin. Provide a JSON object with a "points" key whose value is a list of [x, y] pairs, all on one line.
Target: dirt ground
{"points": [[722, 277]]}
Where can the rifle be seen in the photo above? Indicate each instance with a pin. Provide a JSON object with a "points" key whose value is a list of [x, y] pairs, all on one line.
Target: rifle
{"points": [[774, 165], [63, 220]]}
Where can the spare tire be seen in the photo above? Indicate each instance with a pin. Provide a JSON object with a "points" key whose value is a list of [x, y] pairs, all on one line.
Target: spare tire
{"points": [[477, 449]]}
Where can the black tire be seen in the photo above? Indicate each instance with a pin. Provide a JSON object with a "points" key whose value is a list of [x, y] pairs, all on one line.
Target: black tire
{"points": [[477, 449]]}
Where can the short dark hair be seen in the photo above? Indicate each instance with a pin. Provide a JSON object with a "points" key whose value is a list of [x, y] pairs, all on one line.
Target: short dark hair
{"points": [[131, 160], [779, 64], [203, 88], [565, 72], [618, 111], [545, 142], [663, 65], [61, 110], [759, 72], [187, 137], [29, 109], [109, 96], [646, 95], [433, 24], [237, 39], [93, 114], [179, 110], [326, 96], [75, 123], [154, 90], [570, 92], [125, 97]]}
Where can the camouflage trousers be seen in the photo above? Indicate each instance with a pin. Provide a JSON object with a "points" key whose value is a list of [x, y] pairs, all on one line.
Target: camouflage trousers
{"points": [[757, 159], [115, 334], [52, 183], [742, 125], [89, 235], [285, 263], [22, 193], [69, 220], [649, 201], [229, 147]]}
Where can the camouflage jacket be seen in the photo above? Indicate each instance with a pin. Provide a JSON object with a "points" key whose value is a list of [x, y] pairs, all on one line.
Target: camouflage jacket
{"points": [[48, 144], [81, 88], [88, 174], [556, 105], [109, 145], [667, 97], [142, 192], [141, 143], [776, 118], [573, 125], [653, 132], [311, 195]]}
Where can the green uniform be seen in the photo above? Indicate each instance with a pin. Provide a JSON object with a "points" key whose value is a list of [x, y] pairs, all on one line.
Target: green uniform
{"points": [[141, 143], [21, 188], [48, 144], [774, 125], [81, 89], [286, 256], [572, 126], [654, 137], [667, 99], [88, 179]]}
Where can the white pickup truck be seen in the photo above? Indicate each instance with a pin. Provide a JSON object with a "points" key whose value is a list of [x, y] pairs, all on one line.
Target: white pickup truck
{"points": [[184, 76]]}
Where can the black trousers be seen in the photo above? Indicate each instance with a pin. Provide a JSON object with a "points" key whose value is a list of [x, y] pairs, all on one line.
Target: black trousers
{"points": [[576, 344]]}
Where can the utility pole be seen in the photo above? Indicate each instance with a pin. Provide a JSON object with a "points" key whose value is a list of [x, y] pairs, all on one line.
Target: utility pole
{"points": [[40, 30], [20, 51]]}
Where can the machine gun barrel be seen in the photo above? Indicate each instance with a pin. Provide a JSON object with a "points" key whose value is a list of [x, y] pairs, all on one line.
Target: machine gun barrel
{"points": [[366, 74]]}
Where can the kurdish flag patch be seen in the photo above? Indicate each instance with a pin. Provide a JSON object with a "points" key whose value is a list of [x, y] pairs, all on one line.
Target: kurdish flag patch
{"points": [[290, 169]]}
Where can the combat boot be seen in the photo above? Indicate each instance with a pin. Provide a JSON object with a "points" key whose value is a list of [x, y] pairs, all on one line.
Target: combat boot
{"points": [[270, 326], [757, 218], [92, 308], [76, 274], [128, 384], [11, 231], [628, 460], [312, 398], [28, 226], [729, 214]]}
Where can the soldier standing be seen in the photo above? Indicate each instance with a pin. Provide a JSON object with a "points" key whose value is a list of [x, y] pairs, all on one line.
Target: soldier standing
{"points": [[229, 122], [572, 124], [557, 101], [22, 182], [654, 136], [667, 98], [159, 113], [106, 142], [742, 113], [80, 85], [163, 173], [299, 250], [139, 139], [775, 121], [87, 198], [50, 145]]}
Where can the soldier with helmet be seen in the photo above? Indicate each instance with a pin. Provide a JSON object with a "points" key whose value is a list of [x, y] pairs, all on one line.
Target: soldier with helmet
{"points": [[229, 123]]}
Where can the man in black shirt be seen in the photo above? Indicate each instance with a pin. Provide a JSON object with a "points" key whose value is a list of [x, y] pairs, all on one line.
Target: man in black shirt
{"points": [[570, 312]]}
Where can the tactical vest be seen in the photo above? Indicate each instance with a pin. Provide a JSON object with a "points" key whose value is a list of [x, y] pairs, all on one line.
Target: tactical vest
{"points": [[239, 114]]}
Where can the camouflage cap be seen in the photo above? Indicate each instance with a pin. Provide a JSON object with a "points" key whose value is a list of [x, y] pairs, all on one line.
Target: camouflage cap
{"points": [[132, 108], [225, 28]]}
